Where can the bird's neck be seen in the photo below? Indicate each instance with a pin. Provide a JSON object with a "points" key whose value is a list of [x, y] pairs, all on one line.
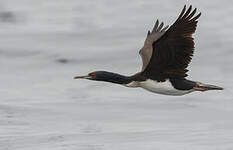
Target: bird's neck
{"points": [[115, 78]]}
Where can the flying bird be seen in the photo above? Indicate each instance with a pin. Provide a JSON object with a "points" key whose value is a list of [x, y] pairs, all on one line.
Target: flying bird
{"points": [[166, 54]]}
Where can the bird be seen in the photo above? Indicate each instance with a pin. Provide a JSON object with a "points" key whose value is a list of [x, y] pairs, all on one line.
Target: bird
{"points": [[166, 54]]}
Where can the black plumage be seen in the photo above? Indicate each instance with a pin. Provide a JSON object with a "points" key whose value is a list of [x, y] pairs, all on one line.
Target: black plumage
{"points": [[110, 77], [174, 50]]}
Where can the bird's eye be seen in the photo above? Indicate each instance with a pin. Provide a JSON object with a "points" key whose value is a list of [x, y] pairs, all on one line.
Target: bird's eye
{"points": [[93, 75]]}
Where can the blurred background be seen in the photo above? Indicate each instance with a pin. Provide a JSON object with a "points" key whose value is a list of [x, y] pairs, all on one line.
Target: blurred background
{"points": [[44, 44]]}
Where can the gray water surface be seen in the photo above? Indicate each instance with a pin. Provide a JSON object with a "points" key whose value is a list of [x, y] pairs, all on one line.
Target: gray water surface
{"points": [[44, 44]]}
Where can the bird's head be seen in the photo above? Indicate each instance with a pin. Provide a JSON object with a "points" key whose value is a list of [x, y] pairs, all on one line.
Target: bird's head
{"points": [[106, 76], [91, 76]]}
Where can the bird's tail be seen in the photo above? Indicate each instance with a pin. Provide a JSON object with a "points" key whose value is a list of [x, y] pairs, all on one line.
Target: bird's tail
{"points": [[206, 87]]}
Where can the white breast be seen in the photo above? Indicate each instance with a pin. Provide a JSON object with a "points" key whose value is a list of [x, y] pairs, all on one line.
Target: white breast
{"points": [[165, 88]]}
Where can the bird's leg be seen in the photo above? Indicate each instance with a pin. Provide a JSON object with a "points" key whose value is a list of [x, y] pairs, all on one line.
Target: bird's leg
{"points": [[199, 89], [205, 87]]}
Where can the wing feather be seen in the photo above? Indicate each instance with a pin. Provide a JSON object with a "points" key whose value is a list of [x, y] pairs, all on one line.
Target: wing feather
{"points": [[173, 51], [146, 51]]}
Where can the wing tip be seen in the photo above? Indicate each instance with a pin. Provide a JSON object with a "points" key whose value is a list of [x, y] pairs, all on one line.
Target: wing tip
{"points": [[148, 33], [188, 14]]}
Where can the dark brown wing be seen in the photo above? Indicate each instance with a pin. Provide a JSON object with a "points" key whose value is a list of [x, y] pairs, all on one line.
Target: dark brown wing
{"points": [[147, 49], [173, 51]]}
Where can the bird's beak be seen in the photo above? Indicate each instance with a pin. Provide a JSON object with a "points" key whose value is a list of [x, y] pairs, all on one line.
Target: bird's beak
{"points": [[82, 77]]}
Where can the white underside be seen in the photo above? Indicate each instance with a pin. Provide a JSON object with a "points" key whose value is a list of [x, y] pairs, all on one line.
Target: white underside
{"points": [[165, 88]]}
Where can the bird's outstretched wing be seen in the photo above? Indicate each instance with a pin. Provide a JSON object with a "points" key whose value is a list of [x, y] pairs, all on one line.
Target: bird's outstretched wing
{"points": [[147, 49], [173, 50]]}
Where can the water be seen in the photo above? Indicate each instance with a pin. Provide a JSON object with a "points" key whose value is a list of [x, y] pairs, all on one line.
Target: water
{"points": [[44, 44]]}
